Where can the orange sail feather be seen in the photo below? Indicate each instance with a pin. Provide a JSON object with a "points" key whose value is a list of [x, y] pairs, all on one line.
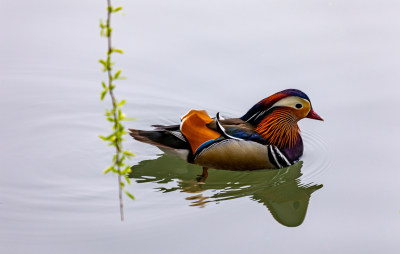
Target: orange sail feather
{"points": [[194, 128]]}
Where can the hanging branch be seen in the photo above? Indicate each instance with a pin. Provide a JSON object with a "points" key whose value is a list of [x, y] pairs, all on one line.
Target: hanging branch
{"points": [[115, 115]]}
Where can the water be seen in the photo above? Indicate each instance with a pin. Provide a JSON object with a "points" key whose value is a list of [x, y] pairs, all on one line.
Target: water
{"points": [[219, 56]]}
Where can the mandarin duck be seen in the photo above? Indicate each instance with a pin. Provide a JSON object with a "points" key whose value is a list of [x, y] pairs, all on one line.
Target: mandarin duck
{"points": [[266, 137]]}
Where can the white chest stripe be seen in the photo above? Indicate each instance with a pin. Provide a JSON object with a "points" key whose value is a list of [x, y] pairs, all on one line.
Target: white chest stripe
{"points": [[274, 156], [282, 156]]}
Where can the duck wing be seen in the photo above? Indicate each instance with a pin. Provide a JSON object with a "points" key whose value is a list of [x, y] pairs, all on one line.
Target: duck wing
{"points": [[235, 128]]}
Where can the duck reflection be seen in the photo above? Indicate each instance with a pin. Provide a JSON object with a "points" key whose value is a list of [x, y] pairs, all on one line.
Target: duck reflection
{"points": [[281, 191]]}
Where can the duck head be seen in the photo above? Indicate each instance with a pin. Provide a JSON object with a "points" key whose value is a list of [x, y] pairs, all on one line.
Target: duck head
{"points": [[275, 117]]}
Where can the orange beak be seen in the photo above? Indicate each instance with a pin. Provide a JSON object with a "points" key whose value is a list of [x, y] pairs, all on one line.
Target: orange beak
{"points": [[314, 115]]}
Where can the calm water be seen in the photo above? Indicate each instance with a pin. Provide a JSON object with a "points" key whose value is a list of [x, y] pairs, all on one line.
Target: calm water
{"points": [[219, 56]]}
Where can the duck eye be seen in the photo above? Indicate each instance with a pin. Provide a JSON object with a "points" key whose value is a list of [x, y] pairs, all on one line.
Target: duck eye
{"points": [[298, 105]]}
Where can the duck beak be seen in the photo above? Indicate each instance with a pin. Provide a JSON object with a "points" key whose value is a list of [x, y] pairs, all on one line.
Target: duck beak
{"points": [[314, 115]]}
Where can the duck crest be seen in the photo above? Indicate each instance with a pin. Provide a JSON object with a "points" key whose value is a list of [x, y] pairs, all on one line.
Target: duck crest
{"points": [[279, 128]]}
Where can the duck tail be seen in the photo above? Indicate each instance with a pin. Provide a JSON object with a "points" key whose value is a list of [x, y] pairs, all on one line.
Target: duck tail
{"points": [[161, 138]]}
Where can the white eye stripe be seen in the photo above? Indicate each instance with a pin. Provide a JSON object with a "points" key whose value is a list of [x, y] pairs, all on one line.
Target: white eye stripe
{"points": [[291, 101]]}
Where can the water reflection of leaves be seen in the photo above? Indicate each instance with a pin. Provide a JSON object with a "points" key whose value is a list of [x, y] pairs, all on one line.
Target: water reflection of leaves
{"points": [[281, 191]]}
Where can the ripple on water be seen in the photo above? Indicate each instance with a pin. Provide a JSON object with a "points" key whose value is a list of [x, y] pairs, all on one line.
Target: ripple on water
{"points": [[316, 156]]}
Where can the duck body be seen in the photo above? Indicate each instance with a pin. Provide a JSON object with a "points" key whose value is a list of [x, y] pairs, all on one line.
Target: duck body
{"points": [[234, 154], [266, 137]]}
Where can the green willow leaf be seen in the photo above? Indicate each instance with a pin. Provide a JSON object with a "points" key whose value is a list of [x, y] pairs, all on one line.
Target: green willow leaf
{"points": [[129, 153], [127, 171], [118, 51], [103, 94], [118, 9], [108, 170], [129, 195], [117, 74], [103, 138], [121, 103]]}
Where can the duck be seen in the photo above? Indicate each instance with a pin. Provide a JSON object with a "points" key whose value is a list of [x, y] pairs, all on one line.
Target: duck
{"points": [[267, 136]]}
